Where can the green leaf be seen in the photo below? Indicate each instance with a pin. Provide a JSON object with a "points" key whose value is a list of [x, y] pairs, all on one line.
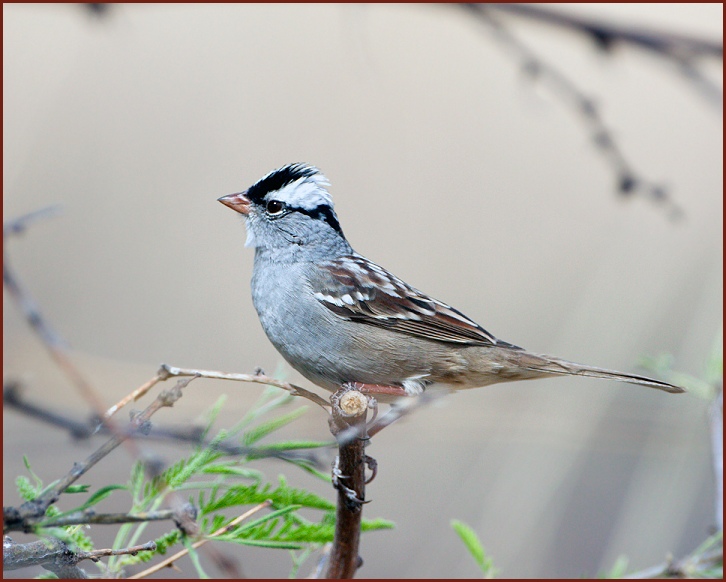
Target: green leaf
{"points": [[212, 414], [618, 570], [38, 480], [264, 405], [77, 489], [308, 468], [262, 430], [472, 543], [100, 495], [136, 481], [243, 527], [714, 365], [255, 493], [25, 488], [194, 557], [74, 536], [271, 544], [297, 445], [232, 469], [376, 524]]}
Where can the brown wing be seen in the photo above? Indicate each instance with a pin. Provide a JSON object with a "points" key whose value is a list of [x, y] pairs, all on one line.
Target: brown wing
{"points": [[358, 290]]}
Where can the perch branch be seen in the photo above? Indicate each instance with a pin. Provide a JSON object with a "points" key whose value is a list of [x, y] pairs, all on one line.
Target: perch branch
{"points": [[349, 408], [170, 371]]}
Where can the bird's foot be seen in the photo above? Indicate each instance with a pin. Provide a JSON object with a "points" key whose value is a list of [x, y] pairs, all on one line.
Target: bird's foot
{"points": [[352, 502]]}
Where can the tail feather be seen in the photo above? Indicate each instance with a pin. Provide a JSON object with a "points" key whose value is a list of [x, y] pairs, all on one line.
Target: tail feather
{"points": [[557, 366]]}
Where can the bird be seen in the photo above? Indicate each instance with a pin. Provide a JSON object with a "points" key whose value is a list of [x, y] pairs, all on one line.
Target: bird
{"points": [[340, 319]]}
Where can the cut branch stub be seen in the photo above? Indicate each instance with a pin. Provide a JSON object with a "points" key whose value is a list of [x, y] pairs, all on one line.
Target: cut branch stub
{"points": [[348, 425]]}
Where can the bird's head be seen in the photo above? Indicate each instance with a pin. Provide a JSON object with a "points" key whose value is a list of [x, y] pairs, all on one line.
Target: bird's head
{"points": [[289, 211]]}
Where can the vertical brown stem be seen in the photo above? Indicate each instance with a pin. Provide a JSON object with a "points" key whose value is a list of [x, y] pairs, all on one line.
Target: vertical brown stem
{"points": [[347, 424]]}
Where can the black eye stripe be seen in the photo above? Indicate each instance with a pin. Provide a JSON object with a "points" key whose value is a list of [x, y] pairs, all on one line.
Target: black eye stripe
{"points": [[323, 212]]}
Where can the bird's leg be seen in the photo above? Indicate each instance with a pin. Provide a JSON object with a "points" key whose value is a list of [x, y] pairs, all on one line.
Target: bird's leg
{"points": [[379, 389]]}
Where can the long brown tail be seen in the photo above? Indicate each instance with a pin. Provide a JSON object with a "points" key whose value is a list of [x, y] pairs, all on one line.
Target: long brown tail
{"points": [[554, 365]]}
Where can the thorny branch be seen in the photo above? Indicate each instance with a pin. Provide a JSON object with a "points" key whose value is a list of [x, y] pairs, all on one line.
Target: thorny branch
{"points": [[629, 181]]}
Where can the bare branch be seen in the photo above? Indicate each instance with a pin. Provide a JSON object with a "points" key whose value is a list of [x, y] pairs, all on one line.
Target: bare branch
{"points": [[629, 181], [91, 517], [133, 396], [133, 550], [55, 555], [666, 44], [688, 567], [680, 49], [52, 341], [52, 554]]}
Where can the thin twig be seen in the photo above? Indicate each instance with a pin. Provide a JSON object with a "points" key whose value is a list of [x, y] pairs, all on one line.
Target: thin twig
{"points": [[133, 396], [15, 519], [170, 371], [91, 517], [13, 399], [227, 528], [629, 181], [132, 551], [52, 341], [688, 567], [680, 49], [665, 44], [317, 572]]}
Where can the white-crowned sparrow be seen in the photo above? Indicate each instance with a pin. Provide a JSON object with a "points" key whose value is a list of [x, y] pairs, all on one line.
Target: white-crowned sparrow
{"points": [[339, 318]]}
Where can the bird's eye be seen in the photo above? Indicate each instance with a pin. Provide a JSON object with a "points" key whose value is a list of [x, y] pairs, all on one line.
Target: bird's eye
{"points": [[275, 207]]}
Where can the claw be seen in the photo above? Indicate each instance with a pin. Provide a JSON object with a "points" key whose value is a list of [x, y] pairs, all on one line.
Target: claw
{"points": [[372, 464]]}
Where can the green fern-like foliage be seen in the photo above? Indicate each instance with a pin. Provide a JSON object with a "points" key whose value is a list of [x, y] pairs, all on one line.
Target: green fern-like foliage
{"points": [[220, 488]]}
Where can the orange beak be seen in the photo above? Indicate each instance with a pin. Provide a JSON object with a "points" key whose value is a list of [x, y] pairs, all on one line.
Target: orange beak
{"points": [[237, 202]]}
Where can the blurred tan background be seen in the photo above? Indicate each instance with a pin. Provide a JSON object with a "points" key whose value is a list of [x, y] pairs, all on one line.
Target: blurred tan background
{"points": [[450, 168]]}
